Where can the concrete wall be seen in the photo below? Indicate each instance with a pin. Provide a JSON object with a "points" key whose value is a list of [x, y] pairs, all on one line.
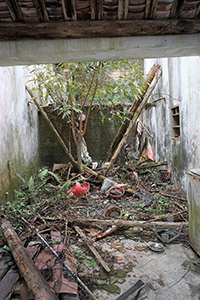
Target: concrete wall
{"points": [[76, 50], [179, 85], [18, 131]]}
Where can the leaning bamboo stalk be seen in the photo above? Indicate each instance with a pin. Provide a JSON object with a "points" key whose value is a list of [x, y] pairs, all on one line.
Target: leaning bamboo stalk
{"points": [[132, 109], [133, 121], [53, 129], [34, 279]]}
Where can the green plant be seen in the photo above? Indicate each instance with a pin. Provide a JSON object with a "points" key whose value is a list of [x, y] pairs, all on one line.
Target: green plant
{"points": [[8, 255]]}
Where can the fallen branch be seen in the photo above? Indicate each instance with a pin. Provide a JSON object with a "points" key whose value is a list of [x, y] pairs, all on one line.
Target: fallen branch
{"points": [[166, 215], [34, 279], [172, 196], [151, 165], [92, 248], [123, 223]]}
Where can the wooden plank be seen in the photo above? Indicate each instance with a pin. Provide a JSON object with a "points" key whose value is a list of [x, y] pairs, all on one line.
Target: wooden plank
{"points": [[92, 248], [34, 280], [154, 6], [92, 29], [14, 10], [8, 282]]}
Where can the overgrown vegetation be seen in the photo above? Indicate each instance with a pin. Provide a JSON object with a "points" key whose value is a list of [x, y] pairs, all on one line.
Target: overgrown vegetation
{"points": [[70, 86]]}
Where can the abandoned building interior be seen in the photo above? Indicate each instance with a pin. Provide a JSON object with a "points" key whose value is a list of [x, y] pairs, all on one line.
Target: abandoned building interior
{"points": [[128, 224]]}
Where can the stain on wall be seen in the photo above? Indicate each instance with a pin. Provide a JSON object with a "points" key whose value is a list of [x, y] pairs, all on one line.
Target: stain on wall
{"points": [[179, 85]]}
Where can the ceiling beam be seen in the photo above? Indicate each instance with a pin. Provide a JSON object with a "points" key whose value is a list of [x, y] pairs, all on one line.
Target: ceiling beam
{"points": [[14, 10], [147, 9], [44, 10], [99, 9], [154, 6], [123, 9], [94, 29], [93, 9], [176, 8]]}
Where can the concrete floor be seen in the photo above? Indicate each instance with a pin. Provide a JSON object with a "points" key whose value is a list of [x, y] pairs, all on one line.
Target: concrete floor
{"points": [[178, 281]]}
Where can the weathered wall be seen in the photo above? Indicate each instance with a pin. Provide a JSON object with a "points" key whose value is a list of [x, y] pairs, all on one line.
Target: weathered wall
{"points": [[99, 137], [53, 51], [179, 85], [18, 131]]}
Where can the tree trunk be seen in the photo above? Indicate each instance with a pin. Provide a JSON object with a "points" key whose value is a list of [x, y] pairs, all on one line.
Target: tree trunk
{"points": [[78, 142], [34, 279]]}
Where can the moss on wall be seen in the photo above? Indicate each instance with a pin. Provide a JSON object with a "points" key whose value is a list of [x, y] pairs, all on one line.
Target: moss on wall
{"points": [[10, 181]]}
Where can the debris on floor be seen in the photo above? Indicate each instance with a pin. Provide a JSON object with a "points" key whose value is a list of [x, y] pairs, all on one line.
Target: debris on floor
{"points": [[97, 228]]}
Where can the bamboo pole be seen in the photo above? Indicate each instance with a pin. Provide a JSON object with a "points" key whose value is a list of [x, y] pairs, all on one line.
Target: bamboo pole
{"points": [[136, 116], [132, 110]]}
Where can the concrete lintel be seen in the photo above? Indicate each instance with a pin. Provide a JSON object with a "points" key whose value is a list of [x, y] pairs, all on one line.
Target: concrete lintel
{"points": [[54, 51]]}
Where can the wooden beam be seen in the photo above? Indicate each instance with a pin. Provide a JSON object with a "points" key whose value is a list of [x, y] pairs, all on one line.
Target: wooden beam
{"points": [[73, 10], [44, 10], [198, 11], [176, 8], [14, 10], [93, 9], [99, 9], [38, 8], [147, 9], [97, 29], [154, 6], [123, 9], [64, 10]]}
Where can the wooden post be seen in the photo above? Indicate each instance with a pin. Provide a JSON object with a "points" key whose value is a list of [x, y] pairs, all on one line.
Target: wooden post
{"points": [[34, 279]]}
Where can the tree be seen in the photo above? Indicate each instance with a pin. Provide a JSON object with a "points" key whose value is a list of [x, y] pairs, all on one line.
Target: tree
{"points": [[70, 86]]}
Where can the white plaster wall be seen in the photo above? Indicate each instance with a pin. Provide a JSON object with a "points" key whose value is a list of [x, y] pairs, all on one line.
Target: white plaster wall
{"points": [[18, 128], [180, 84]]}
